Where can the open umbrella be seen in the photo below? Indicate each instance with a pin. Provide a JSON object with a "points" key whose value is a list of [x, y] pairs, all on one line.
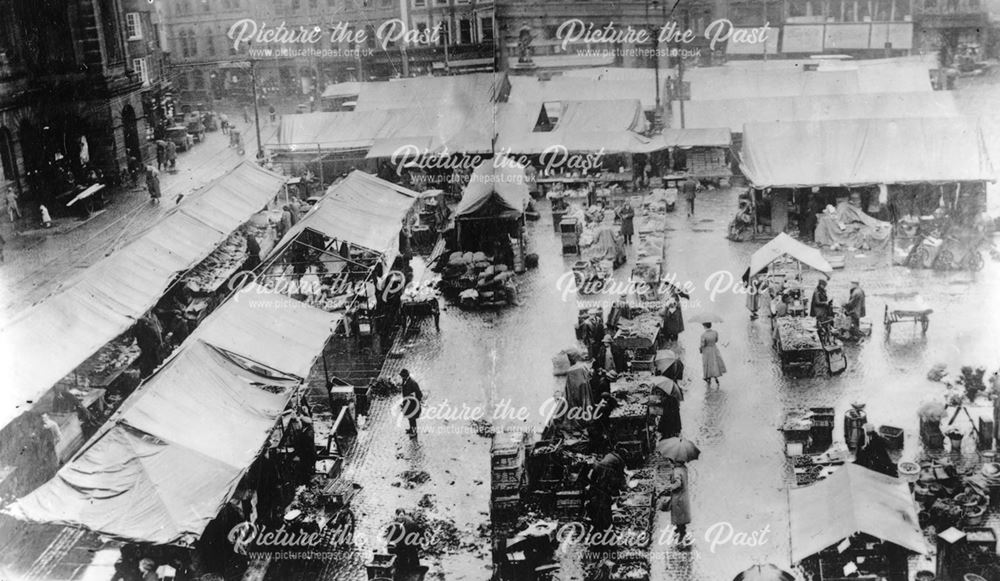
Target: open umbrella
{"points": [[664, 359], [678, 449], [766, 572], [705, 318], [669, 386]]}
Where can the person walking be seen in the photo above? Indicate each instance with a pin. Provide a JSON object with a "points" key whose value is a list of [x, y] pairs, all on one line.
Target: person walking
{"points": [[13, 208], [711, 359], [412, 401], [627, 215], [689, 188], [855, 308], [272, 113], [171, 155], [224, 123], [246, 114], [161, 154], [153, 183], [46, 218], [680, 504]]}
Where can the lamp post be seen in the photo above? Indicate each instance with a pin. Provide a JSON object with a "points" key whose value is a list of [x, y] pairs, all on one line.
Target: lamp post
{"points": [[256, 110]]}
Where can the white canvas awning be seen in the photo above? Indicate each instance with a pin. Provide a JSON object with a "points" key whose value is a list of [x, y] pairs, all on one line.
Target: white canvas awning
{"points": [[168, 460], [857, 152], [108, 298]]}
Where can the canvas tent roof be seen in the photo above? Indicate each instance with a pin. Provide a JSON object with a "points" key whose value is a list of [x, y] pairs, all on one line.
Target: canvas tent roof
{"points": [[466, 127], [342, 90], [492, 182], [852, 500], [362, 210], [102, 303], [583, 126], [530, 89], [730, 83], [700, 137], [170, 458], [734, 113], [865, 151], [433, 92], [784, 245]]}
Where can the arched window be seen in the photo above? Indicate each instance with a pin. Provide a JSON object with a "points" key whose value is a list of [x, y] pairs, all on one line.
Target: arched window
{"points": [[192, 43], [209, 43]]}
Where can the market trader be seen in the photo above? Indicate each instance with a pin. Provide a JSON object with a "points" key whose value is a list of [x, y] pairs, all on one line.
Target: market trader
{"points": [[855, 308], [412, 400], [819, 305], [689, 187]]}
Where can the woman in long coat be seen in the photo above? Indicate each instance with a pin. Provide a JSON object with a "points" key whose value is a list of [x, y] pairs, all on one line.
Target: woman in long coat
{"points": [[711, 359]]}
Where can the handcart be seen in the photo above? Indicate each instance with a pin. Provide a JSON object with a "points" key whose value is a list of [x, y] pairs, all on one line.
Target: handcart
{"points": [[893, 316]]}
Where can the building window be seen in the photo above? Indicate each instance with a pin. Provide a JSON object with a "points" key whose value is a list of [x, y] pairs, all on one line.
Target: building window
{"points": [[209, 43], [296, 4], [133, 26], [140, 68], [205, 6], [313, 3], [440, 2], [419, 3], [486, 29], [464, 31], [462, 1]]}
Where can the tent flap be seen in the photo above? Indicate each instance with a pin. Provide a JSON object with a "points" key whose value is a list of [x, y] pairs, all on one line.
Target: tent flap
{"points": [[853, 500], [785, 245], [493, 181]]}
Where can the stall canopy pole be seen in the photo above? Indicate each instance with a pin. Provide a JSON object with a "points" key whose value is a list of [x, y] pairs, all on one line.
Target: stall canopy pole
{"points": [[322, 182]]}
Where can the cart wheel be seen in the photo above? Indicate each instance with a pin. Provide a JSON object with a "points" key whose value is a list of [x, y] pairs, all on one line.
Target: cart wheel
{"points": [[944, 260], [975, 261], [920, 258]]}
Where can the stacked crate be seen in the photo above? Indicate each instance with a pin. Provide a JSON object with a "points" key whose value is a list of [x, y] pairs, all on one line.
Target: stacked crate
{"points": [[706, 161], [507, 467]]}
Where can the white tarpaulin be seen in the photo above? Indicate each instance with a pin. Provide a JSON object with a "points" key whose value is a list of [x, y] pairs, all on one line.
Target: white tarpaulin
{"points": [[108, 298], [494, 186], [853, 500], [170, 458], [583, 126], [731, 83], [784, 245], [858, 152], [362, 210], [735, 113]]}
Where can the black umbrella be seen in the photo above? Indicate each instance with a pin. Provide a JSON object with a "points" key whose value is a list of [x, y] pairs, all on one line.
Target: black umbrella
{"points": [[766, 572]]}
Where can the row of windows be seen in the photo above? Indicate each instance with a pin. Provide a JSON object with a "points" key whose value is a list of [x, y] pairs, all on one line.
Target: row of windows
{"points": [[753, 13], [182, 7]]}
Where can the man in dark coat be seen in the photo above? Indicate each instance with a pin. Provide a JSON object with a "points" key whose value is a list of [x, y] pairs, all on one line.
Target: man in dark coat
{"points": [[627, 215], [689, 189], [874, 454], [819, 306], [412, 400], [253, 253], [404, 535], [855, 308]]}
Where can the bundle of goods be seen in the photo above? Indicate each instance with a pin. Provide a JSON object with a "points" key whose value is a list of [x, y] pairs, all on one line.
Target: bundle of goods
{"points": [[419, 292], [972, 380], [798, 333], [594, 214], [473, 270], [639, 332], [217, 268], [651, 223], [115, 356]]}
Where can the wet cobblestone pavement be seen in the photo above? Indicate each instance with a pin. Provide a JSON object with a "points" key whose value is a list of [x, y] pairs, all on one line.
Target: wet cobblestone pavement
{"points": [[490, 358]]}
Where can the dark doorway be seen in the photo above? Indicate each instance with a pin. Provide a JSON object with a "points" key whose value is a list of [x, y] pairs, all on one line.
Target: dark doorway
{"points": [[8, 163], [133, 147]]}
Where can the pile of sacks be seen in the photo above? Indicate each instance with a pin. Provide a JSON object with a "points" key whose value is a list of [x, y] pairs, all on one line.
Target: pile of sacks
{"points": [[474, 271]]}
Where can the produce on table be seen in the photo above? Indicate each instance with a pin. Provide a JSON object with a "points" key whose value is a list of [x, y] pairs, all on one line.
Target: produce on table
{"points": [[115, 356], [797, 333]]}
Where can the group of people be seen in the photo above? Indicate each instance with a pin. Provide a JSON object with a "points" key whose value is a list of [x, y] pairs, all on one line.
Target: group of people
{"points": [[821, 307]]}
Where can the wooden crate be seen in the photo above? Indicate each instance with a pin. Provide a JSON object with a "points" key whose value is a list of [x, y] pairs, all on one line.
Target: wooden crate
{"points": [[569, 500]]}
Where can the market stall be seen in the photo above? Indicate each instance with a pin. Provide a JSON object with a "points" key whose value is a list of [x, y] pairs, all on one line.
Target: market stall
{"points": [[855, 523], [489, 235], [869, 175], [701, 153], [86, 322], [570, 475]]}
